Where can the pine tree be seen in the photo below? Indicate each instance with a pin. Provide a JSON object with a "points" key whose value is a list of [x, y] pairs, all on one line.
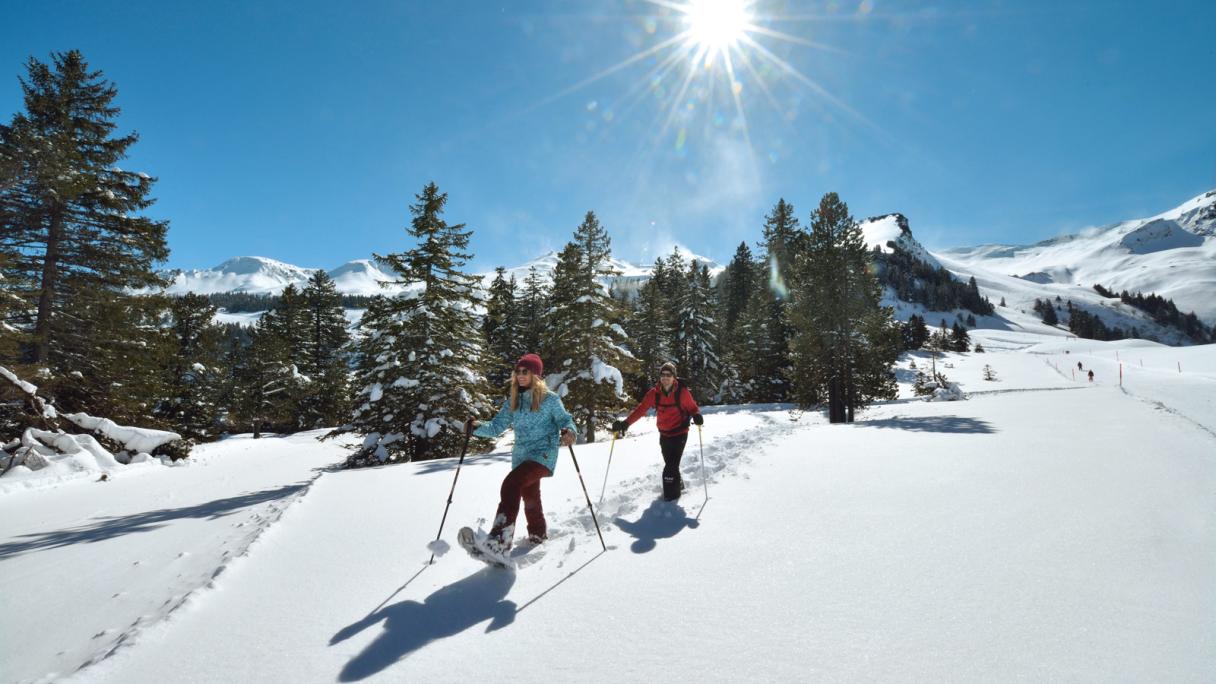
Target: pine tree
{"points": [[533, 303], [501, 328], [195, 373], [752, 358], [846, 341], [267, 382], [649, 331], [699, 363], [960, 341], [325, 401], [672, 284], [74, 221], [585, 339], [783, 239], [736, 286], [426, 372]]}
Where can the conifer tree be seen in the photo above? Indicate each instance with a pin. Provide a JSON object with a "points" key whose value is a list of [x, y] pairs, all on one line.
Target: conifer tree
{"points": [[195, 375], [501, 328], [783, 239], [735, 288], [752, 358], [695, 324], [427, 370], [325, 401], [73, 220], [585, 339], [960, 341], [267, 382], [533, 303], [846, 341], [649, 329]]}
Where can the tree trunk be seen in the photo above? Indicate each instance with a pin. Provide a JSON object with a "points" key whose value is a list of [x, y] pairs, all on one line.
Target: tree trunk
{"points": [[46, 297]]}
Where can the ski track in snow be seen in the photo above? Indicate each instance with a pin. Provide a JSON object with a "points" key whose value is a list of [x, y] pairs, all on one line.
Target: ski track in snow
{"points": [[240, 548], [1162, 406], [730, 453]]}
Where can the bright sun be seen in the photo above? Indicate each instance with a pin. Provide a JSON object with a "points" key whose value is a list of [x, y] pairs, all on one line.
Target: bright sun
{"points": [[717, 24]]}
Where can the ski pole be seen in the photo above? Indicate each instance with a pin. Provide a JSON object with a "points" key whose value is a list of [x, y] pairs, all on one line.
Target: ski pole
{"points": [[704, 477], [464, 450], [606, 469], [589, 506]]}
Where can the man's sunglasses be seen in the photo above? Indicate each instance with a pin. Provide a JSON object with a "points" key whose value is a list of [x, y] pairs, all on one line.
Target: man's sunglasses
{"points": [[666, 374]]}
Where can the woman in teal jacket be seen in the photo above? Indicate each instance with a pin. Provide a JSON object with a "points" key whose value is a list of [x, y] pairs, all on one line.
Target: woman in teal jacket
{"points": [[538, 417]]}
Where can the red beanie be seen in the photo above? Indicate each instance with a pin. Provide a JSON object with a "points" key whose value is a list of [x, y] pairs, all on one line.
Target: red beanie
{"points": [[532, 362]]}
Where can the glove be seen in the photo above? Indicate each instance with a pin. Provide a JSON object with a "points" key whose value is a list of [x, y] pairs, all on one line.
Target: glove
{"points": [[567, 438], [619, 426], [470, 425], [698, 419]]}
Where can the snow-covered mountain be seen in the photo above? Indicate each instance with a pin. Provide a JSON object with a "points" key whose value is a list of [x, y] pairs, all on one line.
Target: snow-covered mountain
{"points": [[263, 275], [1172, 254]]}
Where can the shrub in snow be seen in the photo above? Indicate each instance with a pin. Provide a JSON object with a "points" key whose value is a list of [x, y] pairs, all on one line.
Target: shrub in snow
{"points": [[104, 446], [989, 374]]}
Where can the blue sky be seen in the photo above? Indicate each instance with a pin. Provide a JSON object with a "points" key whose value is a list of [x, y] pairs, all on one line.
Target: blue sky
{"points": [[301, 130]]}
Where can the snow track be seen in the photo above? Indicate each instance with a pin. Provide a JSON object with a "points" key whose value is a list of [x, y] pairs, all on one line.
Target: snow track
{"points": [[1029, 533]]}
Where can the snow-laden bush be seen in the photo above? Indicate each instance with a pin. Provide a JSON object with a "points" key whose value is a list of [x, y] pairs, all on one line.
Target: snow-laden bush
{"points": [[46, 451]]}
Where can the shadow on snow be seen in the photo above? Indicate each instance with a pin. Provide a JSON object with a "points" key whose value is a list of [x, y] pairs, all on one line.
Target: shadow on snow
{"points": [[410, 625], [662, 520], [145, 521], [944, 424]]}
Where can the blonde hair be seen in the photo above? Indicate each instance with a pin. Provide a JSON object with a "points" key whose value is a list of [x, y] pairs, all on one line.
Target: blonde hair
{"points": [[539, 390]]}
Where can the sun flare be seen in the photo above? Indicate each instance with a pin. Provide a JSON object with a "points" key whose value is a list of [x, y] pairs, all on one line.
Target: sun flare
{"points": [[716, 24]]}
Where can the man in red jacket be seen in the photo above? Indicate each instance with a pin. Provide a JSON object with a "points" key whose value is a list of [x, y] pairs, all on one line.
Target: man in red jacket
{"points": [[674, 406]]}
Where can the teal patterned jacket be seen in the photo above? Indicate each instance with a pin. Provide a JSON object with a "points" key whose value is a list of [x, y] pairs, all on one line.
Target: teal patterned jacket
{"points": [[536, 432]]}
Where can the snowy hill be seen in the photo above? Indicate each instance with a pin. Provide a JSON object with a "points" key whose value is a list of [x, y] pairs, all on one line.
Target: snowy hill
{"points": [[262, 275], [1047, 528], [1172, 254]]}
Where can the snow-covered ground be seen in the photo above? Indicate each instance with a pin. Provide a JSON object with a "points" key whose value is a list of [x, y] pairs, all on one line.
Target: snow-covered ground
{"points": [[1046, 528]]}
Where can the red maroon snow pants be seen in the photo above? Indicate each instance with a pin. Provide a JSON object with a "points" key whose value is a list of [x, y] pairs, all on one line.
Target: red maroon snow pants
{"points": [[521, 483]]}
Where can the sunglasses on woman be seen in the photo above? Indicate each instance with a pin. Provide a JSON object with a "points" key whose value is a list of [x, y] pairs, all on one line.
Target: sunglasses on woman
{"points": [[522, 371]]}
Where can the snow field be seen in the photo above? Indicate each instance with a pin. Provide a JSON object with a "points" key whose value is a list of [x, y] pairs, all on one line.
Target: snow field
{"points": [[1025, 533]]}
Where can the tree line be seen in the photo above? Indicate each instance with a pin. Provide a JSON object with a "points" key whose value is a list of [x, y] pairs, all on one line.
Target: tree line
{"points": [[796, 319]]}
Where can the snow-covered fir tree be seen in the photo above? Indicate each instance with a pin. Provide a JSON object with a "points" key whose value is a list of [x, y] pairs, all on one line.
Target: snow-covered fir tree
{"points": [[585, 354], [533, 303], [698, 357], [195, 373], [325, 401], [267, 382], [423, 367], [782, 240], [649, 328], [74, 221], [960, 340], [846, 342], [501, 328]]}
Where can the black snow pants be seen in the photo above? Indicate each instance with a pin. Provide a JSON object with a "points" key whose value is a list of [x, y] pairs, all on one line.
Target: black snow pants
{"points": [[673, 450]]}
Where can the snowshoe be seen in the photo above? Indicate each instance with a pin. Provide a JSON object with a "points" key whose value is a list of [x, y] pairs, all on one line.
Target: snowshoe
{"points": [[481, 550]]}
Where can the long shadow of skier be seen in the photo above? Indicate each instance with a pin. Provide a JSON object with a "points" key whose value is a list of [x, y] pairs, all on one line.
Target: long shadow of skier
{"points": [[661, 520], [409, 625]]}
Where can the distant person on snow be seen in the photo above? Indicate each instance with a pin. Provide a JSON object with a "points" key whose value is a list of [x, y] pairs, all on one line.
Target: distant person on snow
{"points": [[674, 406], [1091, 375], [538, 417], [1079, 366]]}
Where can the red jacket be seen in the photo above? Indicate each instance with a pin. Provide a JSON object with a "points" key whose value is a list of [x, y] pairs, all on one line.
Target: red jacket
{"points": [[673, 421]]}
